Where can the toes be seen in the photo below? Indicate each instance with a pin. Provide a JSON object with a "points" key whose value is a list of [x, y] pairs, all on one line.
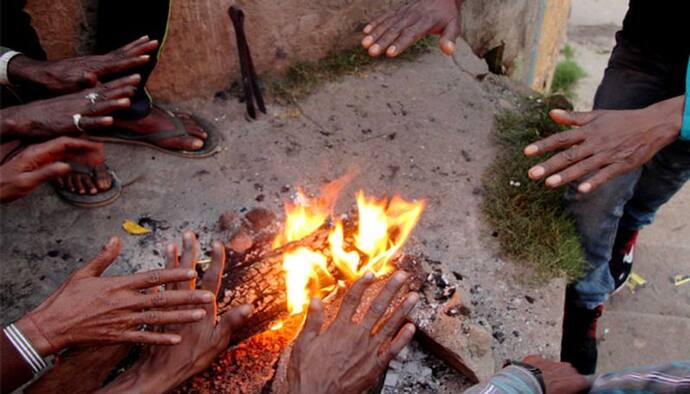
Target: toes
{"points": [[89, 185], [183, 143], [193, 127], [104, 181], [69, 180], [79, 183]]}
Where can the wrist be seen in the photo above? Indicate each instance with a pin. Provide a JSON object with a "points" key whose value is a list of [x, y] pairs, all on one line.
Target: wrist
{"points": [[10, 126], [23, 69], [34, 334], [670, 113]]}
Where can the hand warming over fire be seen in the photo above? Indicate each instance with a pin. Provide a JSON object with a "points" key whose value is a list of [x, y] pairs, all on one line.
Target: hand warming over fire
{"points": [[90, 309], [396, 30], [349, 356], [606, 143], [162, 368]]}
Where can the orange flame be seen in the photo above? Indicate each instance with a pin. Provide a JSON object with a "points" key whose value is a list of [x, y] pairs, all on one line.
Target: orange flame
{"points": [[383, 228]]}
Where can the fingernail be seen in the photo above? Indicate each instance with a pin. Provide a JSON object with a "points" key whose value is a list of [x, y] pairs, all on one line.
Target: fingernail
{"points": [[585, 187], [554, 180], [314, 303], [391, 51], [207, 296], [123, 101], [367, 41], [531, 149], [191, 274], [536, 172], [175, 339], [559, 112], [144, 57], [410, 329], [369, 276], [197, 144], [375, 49], [198, 314], [245, 310], [188, 236], [135, 77], [367, 29], [449, 47], [146, 37], [412, 300], [399, 276], [112, 241]]}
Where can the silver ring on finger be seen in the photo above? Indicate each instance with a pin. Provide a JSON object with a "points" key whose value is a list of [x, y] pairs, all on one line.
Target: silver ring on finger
{"points": [[93, 96], [77, 118]]}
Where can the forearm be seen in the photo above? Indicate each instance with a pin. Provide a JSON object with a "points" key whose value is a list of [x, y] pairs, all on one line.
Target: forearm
{"points": [[145, 377], [11, 126], [512, 379], [23, 70]]}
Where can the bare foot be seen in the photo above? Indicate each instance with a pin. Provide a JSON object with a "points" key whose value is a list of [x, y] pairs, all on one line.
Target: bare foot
{"points": [[158, 120], [80, 183]]}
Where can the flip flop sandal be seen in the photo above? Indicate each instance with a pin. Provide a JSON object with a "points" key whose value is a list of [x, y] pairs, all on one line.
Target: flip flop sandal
{"points": [[90, 200], [121, 136]]}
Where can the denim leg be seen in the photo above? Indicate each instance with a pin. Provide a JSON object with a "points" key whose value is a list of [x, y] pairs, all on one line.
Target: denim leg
{"points": [[661, 178], [632, 80]]}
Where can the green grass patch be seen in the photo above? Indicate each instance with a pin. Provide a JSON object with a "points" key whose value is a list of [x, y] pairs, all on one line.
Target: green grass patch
{"points": [[567, 74], [302, 79], [529, 220]]}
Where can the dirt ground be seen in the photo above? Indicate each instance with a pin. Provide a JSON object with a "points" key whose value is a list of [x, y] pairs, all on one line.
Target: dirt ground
{"points": [[653, 324], [419, 128]]}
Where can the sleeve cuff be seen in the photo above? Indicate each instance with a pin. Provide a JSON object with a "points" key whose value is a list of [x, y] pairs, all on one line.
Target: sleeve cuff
{"points": [[4, 62], [685, 128]]}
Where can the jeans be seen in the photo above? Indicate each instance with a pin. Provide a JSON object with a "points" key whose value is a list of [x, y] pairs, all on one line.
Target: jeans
{"points": [[119, 23], [634, 79]]}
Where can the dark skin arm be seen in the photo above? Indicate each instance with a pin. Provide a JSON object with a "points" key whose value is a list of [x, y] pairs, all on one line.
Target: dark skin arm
{"points": [[89, 309], [348, 357], [605, 143], [559, 377], [52, 118], [74, 74], [161, 369], [395, 31]]}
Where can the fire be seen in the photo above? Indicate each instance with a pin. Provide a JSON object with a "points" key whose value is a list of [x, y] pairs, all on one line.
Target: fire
{"points": [[383, 227]]}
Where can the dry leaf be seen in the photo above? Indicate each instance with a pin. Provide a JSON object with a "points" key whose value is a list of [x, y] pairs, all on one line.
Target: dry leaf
{"points": [[133, 228]]}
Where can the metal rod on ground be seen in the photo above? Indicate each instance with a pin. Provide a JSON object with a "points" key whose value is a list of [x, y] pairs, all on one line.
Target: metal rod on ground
{"points": [[250, 84]]}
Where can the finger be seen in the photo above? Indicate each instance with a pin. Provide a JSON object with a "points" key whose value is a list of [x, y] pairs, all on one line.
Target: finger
{"points": [[602, 176], [379, 19], [385, 41], [124, 64], [98, 122], [234, 319], [129, 80], [573, 118], [380, 305], [61, 148], [449, 36], [141, 48], [577, 171], [353, 298], [212, 277], [190, 254], [396, 320], [138, 41], [144, 280], [401, 340], [172, 298], [150, 338], [375, 48], [562, 160], [104, 258], [46, 173], [408, 37], [313, 322], [563, 139], [105, 107], [168, 317], [116, 93]]}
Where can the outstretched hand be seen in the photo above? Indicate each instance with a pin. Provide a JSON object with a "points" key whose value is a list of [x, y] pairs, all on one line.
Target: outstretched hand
{"points": [[74, 74], [349, 357], [44, 162], [89, 309], [605, 143], [396, 30], [53, 117], [163, 368]]}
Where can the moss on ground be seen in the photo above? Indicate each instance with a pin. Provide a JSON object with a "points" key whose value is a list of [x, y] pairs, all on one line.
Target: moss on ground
{"points": [[302, 79], [528, 218]]}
